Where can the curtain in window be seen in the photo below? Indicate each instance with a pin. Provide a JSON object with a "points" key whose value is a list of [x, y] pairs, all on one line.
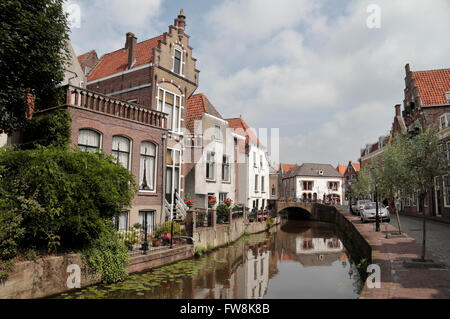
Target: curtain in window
{"points": [[150, 216], [147, 166], [88, 140], [123, 221], [121, 150]]}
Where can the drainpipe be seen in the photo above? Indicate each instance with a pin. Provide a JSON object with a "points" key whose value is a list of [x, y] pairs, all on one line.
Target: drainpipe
{"points": [[163, 174]]}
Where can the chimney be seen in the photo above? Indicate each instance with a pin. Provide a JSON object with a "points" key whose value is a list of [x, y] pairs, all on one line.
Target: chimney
{"points": [[397, 110], [130, 45], [180, 23]]}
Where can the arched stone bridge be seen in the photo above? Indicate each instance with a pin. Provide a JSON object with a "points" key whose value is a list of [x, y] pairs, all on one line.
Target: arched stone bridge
{"points": [[309, 210]]}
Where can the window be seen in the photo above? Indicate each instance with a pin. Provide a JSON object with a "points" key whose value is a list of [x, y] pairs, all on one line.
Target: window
{"points": [[262, 184], [147, 172], [147, 220], [193, 141], [222, 197], [218, 133], [132, 101], [89, 140], [210, 166], [256, 183], [254, 159], [121, 147], [273, 190], [447, 96], [173, 169], [446, 190], [177, 62], [226, 169], [444, 121], [263, 201], [170, 103], [308, 185], [121, 221], [260, 161]]}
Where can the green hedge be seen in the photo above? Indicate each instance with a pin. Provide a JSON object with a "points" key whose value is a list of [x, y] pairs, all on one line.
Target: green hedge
{"points": [[56, 198]]}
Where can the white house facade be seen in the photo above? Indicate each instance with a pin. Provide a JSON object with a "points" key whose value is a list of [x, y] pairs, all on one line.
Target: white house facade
{"points": [[316, 182]]}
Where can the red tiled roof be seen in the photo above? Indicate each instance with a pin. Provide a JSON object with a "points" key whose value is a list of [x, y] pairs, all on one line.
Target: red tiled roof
{"points": [[356, 166], [286, 167], [341, 169], [432, 85], [239, 124], [197, 105], [117, 61], [84, 55]]}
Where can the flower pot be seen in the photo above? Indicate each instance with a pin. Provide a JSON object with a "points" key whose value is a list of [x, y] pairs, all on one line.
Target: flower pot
{"points": [[156, 242]]}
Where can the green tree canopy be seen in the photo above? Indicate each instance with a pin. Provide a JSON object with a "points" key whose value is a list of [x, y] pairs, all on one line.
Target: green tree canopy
{"points": [[33, 52]]}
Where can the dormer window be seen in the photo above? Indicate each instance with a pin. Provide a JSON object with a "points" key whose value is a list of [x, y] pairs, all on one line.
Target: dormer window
{"points": [[444, 121], [177, 59], [447, 96]]}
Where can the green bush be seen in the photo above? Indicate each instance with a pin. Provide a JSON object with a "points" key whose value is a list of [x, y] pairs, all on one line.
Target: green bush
{"points": [[11, 233], [52, 128], [165, 229], [108, 256], [222, 212], [62, 198]]}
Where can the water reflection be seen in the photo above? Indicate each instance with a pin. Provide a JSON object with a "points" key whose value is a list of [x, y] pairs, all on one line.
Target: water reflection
{"points": [[300, 260]]}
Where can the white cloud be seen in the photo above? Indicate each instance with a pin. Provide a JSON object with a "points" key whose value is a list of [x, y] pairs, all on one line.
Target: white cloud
{"points": [[291, 62], [105, 22]]}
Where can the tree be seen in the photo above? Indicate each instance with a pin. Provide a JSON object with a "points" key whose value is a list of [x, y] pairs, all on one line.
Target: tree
{"points": [[424, 162], [395, 179], [33, 52]]}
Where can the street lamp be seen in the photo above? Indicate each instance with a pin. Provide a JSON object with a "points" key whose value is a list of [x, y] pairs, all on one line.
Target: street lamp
{"points": [[377, 219]]}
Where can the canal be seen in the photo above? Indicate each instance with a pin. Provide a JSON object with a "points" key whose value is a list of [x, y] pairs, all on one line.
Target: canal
{"points": [[300, 259]]}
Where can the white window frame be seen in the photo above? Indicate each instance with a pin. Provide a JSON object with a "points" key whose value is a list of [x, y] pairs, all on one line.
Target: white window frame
{"points": [[217, 133], [129, 153], [445, 190], [162, 108], [212, 166], [100, 142], [262, 184], [256, 183], [446, 121], [181, 61], [226, 163], [155, 169]]}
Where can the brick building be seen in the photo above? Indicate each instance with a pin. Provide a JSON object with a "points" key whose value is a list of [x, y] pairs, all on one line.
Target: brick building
{"points": [[157, 74], [427, 105], [212, 149], [350, 173]]}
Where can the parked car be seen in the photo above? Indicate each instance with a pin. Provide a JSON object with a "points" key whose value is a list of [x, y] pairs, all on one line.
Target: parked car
{"points": [[360, 206], [369, 213]]}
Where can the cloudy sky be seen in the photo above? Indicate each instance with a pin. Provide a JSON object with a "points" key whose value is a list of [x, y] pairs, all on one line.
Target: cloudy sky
{"points": [[311, 68]]}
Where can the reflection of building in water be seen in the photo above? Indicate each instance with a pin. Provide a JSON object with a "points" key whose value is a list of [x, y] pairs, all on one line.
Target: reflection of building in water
{"points": [[254, 273], [312, 251], [318, 245]]}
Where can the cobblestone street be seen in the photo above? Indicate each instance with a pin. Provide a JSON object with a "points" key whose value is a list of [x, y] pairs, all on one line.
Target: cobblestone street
{"points": [[438, 235]]}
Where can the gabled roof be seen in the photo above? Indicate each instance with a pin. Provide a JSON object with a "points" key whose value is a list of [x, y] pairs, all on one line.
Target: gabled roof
{"points": [[432, 85], [196, 106], [356, 166], [117, 61], [285, 167], [341, 169], [83, 56], [239, 124], [312, 169]]}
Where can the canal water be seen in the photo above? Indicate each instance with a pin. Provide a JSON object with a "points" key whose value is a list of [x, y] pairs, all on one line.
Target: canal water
{"points": [[301, 259]]}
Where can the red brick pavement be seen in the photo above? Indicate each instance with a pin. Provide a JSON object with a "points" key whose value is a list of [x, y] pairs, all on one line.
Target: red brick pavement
{"points": [[396, 280]]}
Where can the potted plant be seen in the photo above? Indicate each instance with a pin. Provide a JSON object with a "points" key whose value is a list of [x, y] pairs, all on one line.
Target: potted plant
{"points": [[211, 201], [189, 203], [156, 242]]}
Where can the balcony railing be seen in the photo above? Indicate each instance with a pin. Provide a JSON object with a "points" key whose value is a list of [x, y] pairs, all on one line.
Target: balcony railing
{"points": [[85, 99]]}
